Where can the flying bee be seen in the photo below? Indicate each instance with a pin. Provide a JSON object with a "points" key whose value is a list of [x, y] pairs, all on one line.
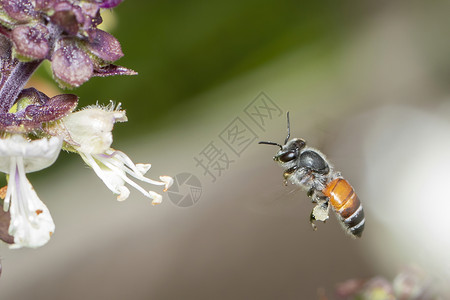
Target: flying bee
{"points": [[308, 168]]}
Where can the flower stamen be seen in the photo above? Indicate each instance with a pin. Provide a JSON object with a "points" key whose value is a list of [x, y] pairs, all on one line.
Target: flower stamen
{"points": [[112, 168]]}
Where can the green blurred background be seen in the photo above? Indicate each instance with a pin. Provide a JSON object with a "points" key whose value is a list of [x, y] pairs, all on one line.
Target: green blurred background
{"points": [[183, 48]]}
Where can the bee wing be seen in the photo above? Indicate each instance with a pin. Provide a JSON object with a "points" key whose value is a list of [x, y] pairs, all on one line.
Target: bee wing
{"points": [[276, 202]]}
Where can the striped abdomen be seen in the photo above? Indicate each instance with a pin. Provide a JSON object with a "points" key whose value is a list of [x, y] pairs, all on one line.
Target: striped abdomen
{"points": [[346, 204]]}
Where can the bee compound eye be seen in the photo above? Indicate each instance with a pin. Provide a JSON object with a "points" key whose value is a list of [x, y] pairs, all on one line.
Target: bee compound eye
{"points": [[287, 156]]}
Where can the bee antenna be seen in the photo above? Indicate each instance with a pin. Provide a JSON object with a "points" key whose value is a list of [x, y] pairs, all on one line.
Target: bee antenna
{"points": [[271, 143], [288, 129]]}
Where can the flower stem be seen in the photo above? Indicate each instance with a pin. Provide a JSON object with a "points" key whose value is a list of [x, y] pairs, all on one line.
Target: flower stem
{"points": [[15, 83]]}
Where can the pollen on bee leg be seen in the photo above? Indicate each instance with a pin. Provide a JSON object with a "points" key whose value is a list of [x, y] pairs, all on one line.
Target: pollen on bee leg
{"points": [[320, 212], [39, 211]]}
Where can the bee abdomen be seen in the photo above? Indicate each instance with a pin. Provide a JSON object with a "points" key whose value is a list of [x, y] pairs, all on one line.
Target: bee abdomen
{"points": [[346, 204]]}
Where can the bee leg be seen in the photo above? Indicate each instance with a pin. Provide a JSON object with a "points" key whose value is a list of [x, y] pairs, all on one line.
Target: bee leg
{"points": [[316, 197], [311, 220], [320, 211], [288, 174]]}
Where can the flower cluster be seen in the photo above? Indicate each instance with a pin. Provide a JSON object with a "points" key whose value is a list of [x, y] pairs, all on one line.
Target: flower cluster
{"points": [[64, 32], [89, 134], [34, 128], [411, 283], [34, 132]]}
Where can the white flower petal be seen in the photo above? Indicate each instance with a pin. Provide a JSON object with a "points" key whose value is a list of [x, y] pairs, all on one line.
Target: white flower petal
{"points": [[31, 223], [91, 128], [113, 167], [11, 183], [112, 179], [37, 154]]}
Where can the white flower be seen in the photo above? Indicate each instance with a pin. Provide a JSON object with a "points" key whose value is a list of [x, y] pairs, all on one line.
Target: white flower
{"points": [[31, 223], [113, 166], [90, 130]]}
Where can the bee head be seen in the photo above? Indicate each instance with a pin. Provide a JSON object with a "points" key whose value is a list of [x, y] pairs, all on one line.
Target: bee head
{"points": [[290, 151], [291, 148]]}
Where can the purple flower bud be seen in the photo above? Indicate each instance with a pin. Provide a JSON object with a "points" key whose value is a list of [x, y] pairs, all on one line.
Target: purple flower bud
{"points": [[19, 10], [63, 31], [104, 45], [72, 65], [35, 108], [43, 5], [90, 9], [112, 70], [108, 3], [31, 96], [31, 42], [55, 108], [68, 17]]}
